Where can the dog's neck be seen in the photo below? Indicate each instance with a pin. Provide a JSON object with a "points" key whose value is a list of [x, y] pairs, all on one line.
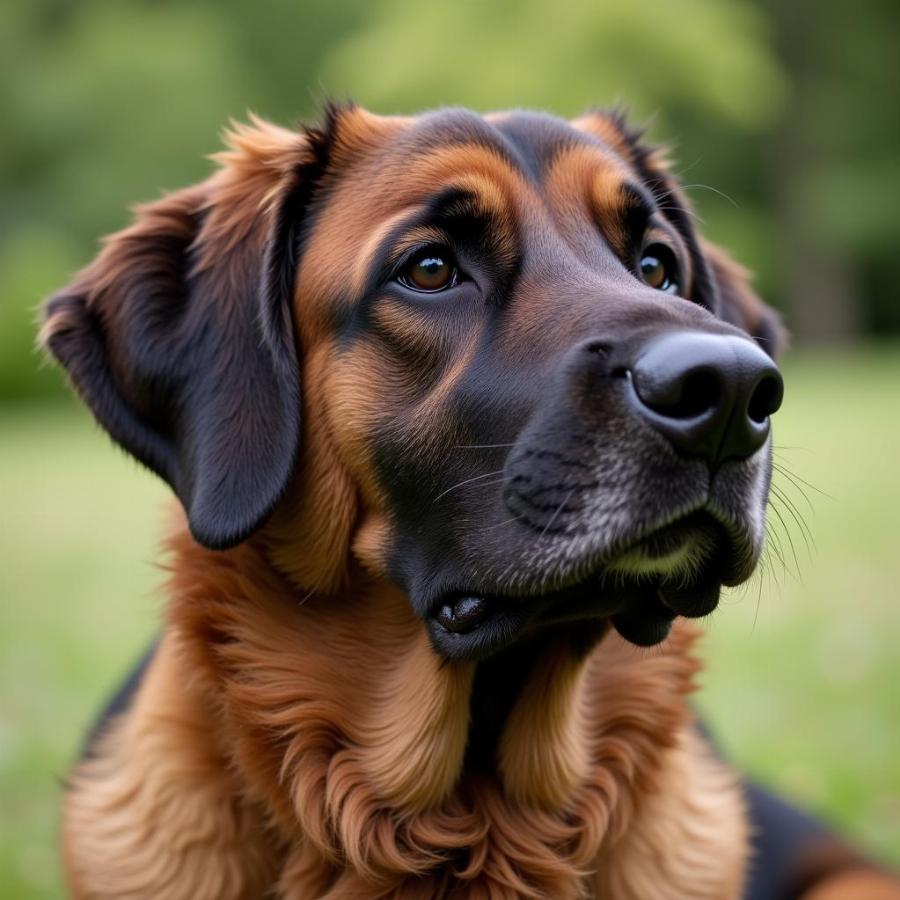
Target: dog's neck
{"points": [[321, 748], [337, 714]]}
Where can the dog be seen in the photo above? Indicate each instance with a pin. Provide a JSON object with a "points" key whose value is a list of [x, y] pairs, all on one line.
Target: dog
{"points": [[466, 422]]}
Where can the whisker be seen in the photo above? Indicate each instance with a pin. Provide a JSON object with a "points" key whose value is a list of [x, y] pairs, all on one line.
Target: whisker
{"points": [[559, 509], [682, 172], [795, 477], [708, 187], [504, 522], [493, 482], [763, 565], [775, 582], [678, 209], [797, 487], [786, 487], [800, 519], [790, 540], [806, 543], [792, 447], [797, 517], [460, 484], [481, 446], [773, 544]]}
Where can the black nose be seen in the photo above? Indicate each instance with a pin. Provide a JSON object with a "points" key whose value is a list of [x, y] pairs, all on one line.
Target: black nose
{"points": [[710, 395]]}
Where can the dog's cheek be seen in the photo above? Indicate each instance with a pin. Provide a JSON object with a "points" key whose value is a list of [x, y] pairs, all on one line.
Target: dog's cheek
{"points": [[336, 509], [362, 394], [311, 530], [372, 544]]}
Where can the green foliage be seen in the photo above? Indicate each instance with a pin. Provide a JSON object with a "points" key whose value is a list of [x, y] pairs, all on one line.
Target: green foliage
{"points": [[566, 57], [34, 260]]}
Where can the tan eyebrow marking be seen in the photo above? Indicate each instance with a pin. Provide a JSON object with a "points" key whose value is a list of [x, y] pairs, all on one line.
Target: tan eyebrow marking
{"points": [[584, 177], [607, 130], [481, 196], [362, 262], [415, 237], [610, 203], [496, 201]]}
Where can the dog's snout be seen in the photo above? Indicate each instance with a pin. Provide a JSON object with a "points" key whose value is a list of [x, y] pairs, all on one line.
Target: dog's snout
{"points": [[710, 395]]}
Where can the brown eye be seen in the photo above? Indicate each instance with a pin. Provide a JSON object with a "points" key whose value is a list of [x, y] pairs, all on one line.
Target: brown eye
{"points": [[431, 270], [659, 269]]}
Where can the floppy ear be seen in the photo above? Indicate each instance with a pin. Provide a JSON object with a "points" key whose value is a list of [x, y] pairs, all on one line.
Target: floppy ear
{"points": [[179, 335]]}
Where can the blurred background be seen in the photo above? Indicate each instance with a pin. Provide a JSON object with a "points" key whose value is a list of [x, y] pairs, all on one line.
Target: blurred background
{"points": [[783, 119]]}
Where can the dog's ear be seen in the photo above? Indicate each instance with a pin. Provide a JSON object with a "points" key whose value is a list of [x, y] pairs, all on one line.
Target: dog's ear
{"points": [[738, 303], [180, 337], [719, 283]]}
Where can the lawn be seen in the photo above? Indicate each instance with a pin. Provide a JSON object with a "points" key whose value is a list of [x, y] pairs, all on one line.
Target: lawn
{"points": [[803, 676]]}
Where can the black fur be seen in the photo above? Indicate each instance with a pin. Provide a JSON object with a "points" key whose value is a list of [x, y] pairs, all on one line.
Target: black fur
{"points": [[195, 372]]}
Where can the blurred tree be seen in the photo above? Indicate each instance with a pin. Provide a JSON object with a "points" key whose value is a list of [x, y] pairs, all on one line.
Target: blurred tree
{"points": [[710, 55], [837, 167], [102, 102], [109, 104]]}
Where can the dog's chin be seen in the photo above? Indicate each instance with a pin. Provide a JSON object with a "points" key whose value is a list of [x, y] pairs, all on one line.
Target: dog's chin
{"points": [[677, 569]]}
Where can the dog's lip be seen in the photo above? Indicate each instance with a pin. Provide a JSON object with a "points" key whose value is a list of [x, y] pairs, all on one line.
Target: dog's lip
{"points": [[636, 610], [472, 623]]}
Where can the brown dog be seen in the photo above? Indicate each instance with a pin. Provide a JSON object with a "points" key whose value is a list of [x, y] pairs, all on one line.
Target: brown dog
{"points": [[459, 410]]}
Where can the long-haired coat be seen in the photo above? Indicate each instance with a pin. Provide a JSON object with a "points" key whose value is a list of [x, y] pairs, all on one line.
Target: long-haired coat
{"points": [[463, 417]]}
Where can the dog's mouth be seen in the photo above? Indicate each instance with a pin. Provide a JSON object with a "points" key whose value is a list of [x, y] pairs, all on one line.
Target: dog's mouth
{"points": [[676, 569]]}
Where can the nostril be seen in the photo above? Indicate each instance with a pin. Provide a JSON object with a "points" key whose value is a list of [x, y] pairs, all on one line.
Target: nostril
{"points": [[601, 348], [687, 397], [702, 391], [765, 399]]}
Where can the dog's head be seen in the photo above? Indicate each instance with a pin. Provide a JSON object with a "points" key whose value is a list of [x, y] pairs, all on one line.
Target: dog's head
{"points": [[488, 358]]}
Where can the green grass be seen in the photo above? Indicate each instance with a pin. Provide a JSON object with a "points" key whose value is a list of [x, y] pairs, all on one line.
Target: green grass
{"points": [[802, 680]]}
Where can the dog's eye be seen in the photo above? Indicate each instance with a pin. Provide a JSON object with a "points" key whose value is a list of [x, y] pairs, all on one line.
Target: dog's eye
{"points": [[430, 270], [658, 268]]}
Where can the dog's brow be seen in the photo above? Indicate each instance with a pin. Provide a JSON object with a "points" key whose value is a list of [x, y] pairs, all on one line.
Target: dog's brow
{"points": [[635, 207], [476, 198], [636, 200], [623, 210], [538, 140], [454, 127], [470, 200]]}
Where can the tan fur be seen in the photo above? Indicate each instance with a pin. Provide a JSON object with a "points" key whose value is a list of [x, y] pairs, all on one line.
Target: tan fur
{"points": [[335, 717], [375, 190], [584, 174], [156, 812], [691, 828], [310, 531], [605, 129]]}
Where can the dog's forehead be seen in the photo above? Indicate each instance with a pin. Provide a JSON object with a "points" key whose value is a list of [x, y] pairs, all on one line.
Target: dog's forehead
{"points": [[530, 142]]}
